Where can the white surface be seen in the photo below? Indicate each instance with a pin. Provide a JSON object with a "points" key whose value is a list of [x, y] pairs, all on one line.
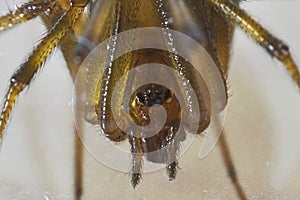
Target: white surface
{"points": [[263, 129]]}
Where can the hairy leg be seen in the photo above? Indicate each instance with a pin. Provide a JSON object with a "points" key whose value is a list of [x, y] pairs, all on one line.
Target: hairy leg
{"points": [[274, 46], [137, 152], [23, 76], [25, 13]]}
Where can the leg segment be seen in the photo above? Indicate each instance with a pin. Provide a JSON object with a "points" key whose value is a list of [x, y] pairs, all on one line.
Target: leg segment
{"points": [[25, 13], [137, 156], [230, 167], [172, 163], [274, 46], [78, 162], [70, 41], [171, 148], [27, 70]]}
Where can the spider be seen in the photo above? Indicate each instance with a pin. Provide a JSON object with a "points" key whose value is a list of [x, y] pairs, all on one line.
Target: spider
{"points": [[216, 1]]}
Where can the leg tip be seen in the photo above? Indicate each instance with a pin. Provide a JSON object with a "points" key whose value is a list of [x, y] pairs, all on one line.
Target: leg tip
{"points": [[172, 171], [135, 179]]}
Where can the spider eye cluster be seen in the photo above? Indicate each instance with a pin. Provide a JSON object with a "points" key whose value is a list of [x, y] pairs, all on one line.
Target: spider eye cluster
{"points": [[153, 94]]}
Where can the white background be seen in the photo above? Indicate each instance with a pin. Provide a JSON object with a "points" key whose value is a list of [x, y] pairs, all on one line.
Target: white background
{"points": [[262, 127]]}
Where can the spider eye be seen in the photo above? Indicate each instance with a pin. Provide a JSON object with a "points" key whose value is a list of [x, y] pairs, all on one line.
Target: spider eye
{"points": [[168, 96], [158, 91], [139, 97], [153, 94], [147, 92]]}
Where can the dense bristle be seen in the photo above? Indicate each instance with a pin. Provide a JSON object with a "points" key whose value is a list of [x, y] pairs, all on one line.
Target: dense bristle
{"points": [[135, 179]]}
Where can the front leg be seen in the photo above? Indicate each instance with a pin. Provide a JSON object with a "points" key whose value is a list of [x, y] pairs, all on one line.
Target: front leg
{"points": [[23, 76], [274, 46], [24, 13]]}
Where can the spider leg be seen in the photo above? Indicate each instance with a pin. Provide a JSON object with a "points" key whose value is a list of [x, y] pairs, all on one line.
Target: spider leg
{"points": [[171, 148], [78, 171], [70, 41], [137, 152], [23, 76], [172, 163], [230, 166], [274, 46], [25, 13]]}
